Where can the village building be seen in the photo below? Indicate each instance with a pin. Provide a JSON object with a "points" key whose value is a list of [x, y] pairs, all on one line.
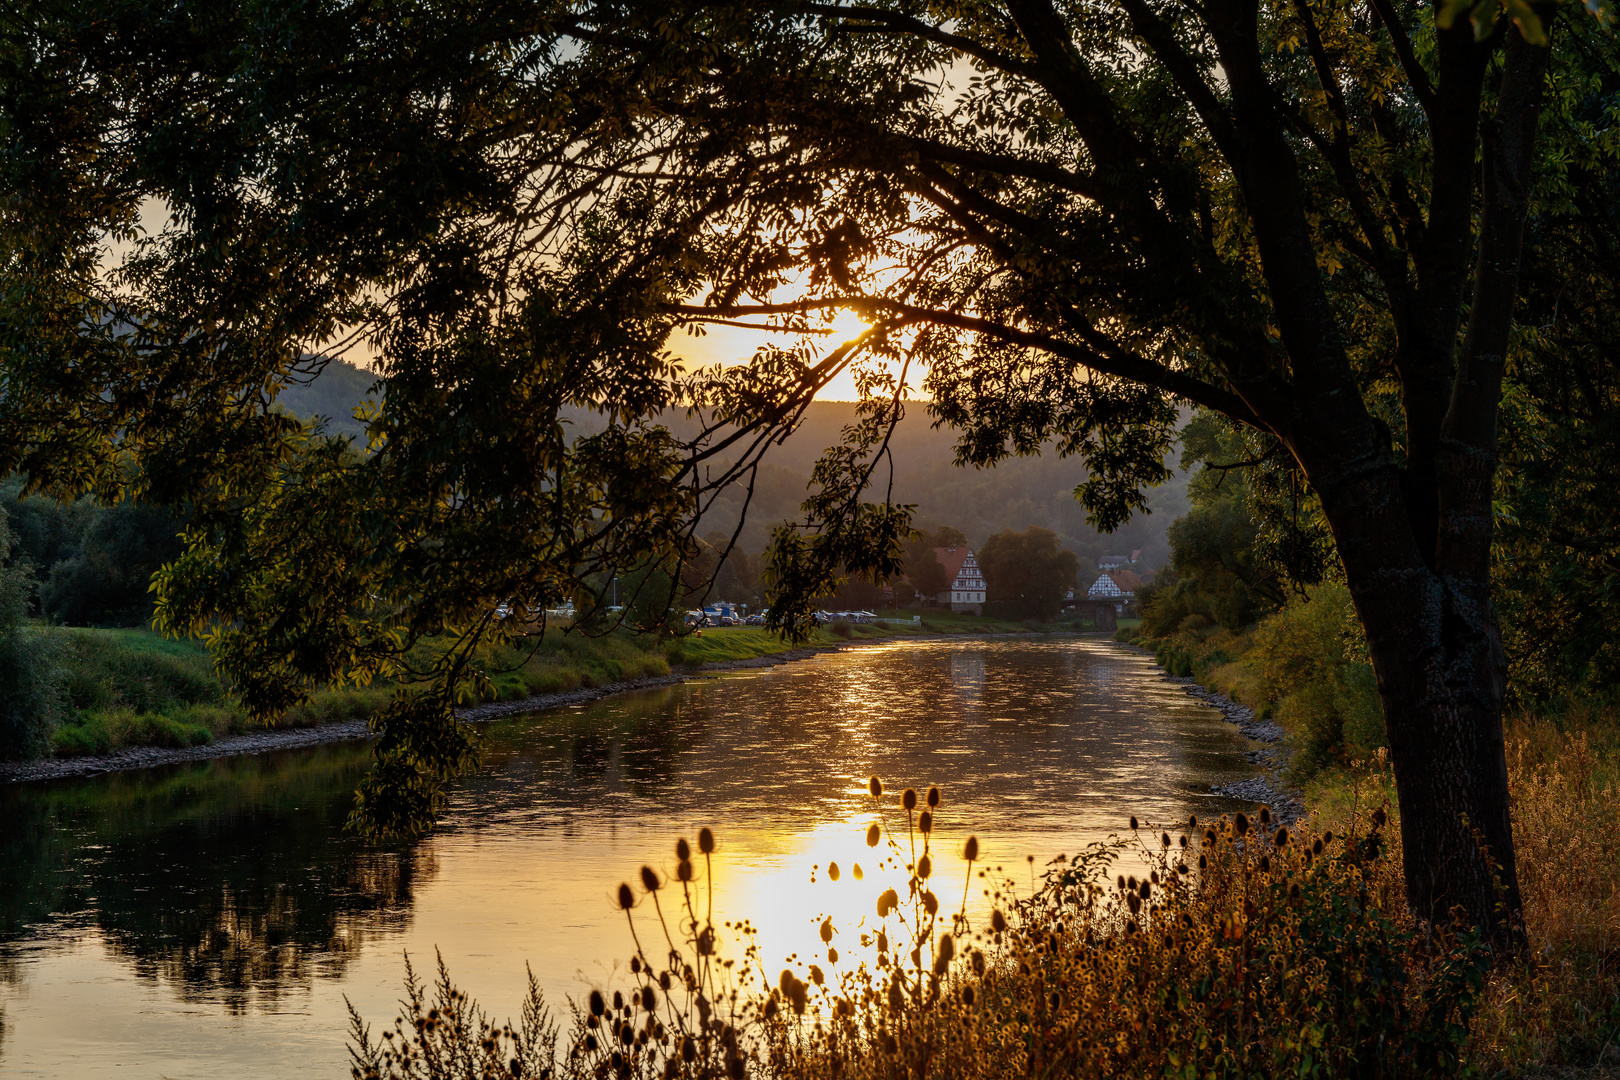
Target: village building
{"points": [[966, 592], [1112, 592]]}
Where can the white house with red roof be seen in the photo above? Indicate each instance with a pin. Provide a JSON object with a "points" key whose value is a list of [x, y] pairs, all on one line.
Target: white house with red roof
{"points": [[966, 592]]}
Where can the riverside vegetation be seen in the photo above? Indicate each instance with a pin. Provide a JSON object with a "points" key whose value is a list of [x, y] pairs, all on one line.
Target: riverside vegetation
{"points": [[1242, 950], [1558, 1003]]}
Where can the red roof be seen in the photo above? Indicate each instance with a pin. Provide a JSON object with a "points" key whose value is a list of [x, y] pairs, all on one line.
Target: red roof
{"points": [[952, 559], [1126, 580]]}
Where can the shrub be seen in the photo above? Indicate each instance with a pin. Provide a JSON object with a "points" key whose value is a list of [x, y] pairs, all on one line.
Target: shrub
{"points": [[1308, 666], [843, 629], [29, 698], [1245, 952]]}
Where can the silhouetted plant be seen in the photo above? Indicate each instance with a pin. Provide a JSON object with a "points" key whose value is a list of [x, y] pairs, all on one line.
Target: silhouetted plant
{"points": [[1245, 950]]}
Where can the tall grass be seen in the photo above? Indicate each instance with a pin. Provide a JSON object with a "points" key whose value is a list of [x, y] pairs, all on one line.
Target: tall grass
{"points": [[1245, 951]]}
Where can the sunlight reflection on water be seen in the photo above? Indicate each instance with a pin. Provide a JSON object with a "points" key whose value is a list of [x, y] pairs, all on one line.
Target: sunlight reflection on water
{"points": [[212, 918]]}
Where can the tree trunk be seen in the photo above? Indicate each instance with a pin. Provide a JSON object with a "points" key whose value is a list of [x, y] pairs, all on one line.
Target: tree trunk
{"points": [[1437, 653]]}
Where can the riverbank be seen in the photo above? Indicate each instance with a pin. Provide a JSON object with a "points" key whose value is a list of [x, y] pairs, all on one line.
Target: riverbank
{"points": [[196, 724], [1269, 788]]}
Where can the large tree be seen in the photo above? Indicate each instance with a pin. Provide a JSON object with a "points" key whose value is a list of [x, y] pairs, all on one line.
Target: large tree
{"points": [[1026, 574], [1303, 215]]}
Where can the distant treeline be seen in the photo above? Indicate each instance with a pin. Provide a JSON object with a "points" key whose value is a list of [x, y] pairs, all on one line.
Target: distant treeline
{"points": [[92, 565]]}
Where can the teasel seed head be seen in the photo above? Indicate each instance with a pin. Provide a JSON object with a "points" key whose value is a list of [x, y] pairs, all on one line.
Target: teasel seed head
{"points": [[1192, 822], [968, 996], [1133, 823], [1183, 839], [873, 835], [875, 786], [649, 879], [998, 921], [598, 1004], [1282, 837], [683, 870], [925, 867], [1165, 839], [925, 822], [627, 898], [683, 850], [1203, 862], [908, 798], [970, 850], [1265, 815], [1265, 864], [706, 840], [933, 797]]}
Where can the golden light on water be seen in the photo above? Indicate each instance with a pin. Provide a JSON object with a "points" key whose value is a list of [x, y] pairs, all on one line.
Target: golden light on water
{"points": [[1039, 748]]}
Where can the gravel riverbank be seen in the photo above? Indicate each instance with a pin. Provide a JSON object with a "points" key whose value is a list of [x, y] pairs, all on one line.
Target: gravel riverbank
{"points": [[1268, 788]]}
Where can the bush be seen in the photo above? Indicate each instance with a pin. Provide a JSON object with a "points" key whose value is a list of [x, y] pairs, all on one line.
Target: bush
{"points": [[843, 629], [1308, 666], [30, 703]]}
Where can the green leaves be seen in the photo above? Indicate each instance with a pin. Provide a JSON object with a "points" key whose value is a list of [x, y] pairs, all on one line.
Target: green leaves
{"points": [[1483, 15]]}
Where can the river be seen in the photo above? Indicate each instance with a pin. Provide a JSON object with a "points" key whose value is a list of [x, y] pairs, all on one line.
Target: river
{"points": [[210, 920]]}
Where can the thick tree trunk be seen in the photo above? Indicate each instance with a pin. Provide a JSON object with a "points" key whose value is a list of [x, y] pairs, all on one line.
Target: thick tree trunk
{"points": [[1437, 652]]}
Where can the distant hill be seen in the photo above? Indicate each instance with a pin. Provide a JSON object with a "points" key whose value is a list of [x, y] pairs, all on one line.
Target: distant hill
{"points": [[1016, 494], [333, 396]]}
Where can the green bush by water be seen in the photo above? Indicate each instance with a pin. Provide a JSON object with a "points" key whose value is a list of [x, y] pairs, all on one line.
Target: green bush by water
{"points": [[1305, 666]]}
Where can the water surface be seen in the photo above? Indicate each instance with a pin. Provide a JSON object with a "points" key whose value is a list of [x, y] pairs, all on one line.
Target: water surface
{"points": [[210, 919]]}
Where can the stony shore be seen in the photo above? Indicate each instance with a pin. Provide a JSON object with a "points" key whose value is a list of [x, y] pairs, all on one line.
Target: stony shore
{"points": [[267, 740], [1268, 788]]}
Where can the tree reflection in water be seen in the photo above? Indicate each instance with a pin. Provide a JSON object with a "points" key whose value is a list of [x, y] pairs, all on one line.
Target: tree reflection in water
{"points": [[231, 881]]}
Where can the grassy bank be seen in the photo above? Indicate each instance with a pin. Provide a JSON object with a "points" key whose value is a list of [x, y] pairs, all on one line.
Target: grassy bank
{"points": [[1556, 1008], [134, 688]]}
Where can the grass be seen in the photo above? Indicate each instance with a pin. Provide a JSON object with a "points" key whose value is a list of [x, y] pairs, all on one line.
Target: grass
{"points": [[1245, 952], [1555, 1009]]}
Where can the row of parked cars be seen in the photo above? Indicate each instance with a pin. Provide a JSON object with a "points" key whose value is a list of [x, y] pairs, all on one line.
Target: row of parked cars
{"points": [[825, 617]]}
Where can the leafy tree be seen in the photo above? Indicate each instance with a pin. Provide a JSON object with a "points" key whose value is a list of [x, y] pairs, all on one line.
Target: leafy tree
{"points": [[924, 570], [1286, 214], [107, 580], [1026, 574]]}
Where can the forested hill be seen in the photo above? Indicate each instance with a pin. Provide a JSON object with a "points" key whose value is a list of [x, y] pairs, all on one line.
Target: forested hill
{"points": [[1015, 495]]}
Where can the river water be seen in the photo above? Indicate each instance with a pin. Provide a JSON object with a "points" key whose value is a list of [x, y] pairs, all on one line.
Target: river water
{"points": [[210, 920]]}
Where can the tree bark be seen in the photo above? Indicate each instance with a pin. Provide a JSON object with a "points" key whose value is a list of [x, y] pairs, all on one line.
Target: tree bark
{"points": [[1437, 653]]}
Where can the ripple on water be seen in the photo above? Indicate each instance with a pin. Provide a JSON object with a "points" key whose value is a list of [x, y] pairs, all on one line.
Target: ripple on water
{"points": [[161, 902]]}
